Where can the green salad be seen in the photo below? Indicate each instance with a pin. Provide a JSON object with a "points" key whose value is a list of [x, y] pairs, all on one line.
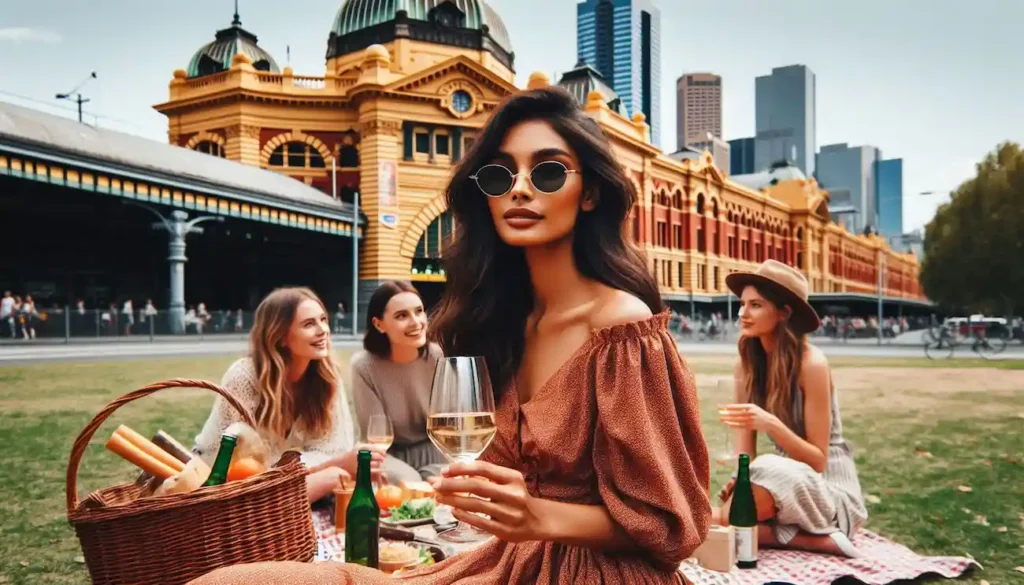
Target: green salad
{"points": [[425, 557], [420, 509]]}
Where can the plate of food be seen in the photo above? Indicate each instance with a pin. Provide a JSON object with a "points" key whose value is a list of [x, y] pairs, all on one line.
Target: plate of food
{"points": [[395, 557], [411, 513], [409, 504]]}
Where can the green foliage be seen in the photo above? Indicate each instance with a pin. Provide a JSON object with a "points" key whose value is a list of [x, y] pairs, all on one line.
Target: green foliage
{"points": [[974, 245]]}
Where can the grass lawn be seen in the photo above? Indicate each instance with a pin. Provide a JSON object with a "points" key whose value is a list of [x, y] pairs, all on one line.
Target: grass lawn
{"points": [[940, 451]]}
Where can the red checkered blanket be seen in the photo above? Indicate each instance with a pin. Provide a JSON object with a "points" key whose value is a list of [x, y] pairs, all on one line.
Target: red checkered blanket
{"points": [[884, 562], [331, 544]]}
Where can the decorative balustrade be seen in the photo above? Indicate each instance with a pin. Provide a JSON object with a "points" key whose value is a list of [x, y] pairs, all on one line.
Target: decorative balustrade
{"points": [[283, 82]]}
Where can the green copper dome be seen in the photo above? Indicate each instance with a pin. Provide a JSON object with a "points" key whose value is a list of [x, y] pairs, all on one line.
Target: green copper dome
{"points": [[369, 18], [216, 56]]}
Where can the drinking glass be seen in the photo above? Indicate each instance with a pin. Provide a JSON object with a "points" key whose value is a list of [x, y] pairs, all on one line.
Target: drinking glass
{"points": [[380, 432], [726, 392], [460, 420]]}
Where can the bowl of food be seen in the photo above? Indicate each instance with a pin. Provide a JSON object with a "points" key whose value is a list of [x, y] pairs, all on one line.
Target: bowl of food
{"points": [[395, 555], [428, 555]]}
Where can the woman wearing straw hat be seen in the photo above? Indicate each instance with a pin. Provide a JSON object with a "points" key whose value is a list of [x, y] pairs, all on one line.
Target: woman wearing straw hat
{"points": [[807, 495]]}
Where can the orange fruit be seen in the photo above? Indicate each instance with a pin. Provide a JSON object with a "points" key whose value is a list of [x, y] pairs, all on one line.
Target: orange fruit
{"points": [[244, 468], [389, 496]]}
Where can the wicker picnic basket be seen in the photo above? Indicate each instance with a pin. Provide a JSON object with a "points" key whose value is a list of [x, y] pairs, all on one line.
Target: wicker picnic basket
{"points": [[174, 539]]}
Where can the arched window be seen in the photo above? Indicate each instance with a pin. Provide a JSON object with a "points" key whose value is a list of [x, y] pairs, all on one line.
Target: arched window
{"points": [[430, 248], [716, 239], [799, 248], [210, 147], [296, 155], [702, 245], [436, 237], [348, 157]]}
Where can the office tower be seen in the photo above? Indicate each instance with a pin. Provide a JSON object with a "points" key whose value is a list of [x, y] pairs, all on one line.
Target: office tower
{"points": [[785, 115], [889, 193], [621, 39], [741, 156], [848, 173], [698, 108]]}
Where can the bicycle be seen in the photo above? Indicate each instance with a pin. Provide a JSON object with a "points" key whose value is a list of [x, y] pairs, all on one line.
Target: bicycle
{"points": [[988, 347], [941, 344]]}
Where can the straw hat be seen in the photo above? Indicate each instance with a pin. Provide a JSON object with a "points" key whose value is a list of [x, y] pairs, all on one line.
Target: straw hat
{"points": [[788, 282]]}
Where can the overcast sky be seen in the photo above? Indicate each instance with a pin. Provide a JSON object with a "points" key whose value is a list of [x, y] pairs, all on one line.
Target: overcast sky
{"points": [[936, 82]]}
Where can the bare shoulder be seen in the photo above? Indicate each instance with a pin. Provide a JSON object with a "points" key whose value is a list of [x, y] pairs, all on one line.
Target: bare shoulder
{"points": [[616, 307], [815, 374], [814, 359]]}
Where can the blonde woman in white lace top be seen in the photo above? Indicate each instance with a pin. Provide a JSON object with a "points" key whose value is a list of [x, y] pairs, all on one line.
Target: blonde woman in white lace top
{"points": [[291, 385]]}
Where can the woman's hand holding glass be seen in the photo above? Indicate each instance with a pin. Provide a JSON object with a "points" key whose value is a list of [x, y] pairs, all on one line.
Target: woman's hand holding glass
{"points": [[748, 417], [348, 461], [478, 488]]}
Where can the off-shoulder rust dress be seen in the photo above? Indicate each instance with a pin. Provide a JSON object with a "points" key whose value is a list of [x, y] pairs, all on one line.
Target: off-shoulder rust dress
{"points": [[618, 424]]}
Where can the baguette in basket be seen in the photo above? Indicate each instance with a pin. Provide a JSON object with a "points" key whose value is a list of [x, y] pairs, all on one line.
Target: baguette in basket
{"points": [[165, 541]]}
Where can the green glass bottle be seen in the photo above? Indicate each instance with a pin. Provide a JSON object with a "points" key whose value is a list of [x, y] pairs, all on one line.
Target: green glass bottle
{"points": [[219, 473], [743, 517], [362, 519]]}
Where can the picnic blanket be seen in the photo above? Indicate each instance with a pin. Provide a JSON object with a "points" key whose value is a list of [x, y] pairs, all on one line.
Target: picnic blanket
{"points": [[884, 562], [330, 544]]}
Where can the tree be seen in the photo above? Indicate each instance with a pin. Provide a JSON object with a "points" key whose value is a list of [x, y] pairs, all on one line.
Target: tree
{"points": [[974, 246]]}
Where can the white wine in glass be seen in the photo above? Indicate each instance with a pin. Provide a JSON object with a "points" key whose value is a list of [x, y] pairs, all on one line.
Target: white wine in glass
{"points": [[462, 436], [380, 432], [726, 391], [460, 420]]}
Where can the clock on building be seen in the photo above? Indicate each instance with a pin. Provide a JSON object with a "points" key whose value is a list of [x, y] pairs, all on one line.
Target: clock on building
{"points": [[461, 101]]}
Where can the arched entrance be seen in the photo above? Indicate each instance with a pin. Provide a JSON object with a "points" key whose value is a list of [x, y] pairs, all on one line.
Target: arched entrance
{"points": [[427, 272]]}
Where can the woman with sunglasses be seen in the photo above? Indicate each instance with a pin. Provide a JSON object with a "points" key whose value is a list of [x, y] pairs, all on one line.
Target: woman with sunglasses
{"points": [[599, 470]]}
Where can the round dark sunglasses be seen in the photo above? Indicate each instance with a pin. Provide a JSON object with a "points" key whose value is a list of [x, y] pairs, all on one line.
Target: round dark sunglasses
{"points": [[496, 180]]}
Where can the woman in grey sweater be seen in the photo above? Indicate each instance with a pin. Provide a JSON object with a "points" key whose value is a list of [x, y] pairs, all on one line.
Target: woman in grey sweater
{"points": [[392, 376]]}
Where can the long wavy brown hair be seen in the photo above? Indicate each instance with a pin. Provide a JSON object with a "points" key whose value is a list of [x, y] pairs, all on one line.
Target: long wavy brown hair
{"points": [[489, 294], [281, 405], [771, 381]]}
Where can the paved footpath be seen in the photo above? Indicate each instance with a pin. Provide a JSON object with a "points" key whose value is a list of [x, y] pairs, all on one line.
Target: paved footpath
{"points": [[237, 345]]}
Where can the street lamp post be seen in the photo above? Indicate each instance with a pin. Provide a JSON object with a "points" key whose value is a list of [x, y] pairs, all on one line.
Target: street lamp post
{"points": [[78, 96], [178, 227], [881, 271]]}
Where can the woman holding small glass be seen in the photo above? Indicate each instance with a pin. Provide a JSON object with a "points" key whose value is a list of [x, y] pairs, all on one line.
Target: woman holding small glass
{"points": [[391, 382], [808, 494], [592, 465]]}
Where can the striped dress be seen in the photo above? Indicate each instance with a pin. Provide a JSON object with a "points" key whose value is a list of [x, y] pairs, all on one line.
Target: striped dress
{"points": [[805, 500]]}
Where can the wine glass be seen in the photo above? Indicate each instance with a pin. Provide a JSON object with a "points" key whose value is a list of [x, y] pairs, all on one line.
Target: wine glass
{"points": [[380, 432], [726, 392], [460, 420]]}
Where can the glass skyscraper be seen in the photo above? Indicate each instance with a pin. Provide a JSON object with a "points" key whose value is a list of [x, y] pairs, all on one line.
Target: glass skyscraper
{"points": [[848, 174], [785, 118], [889, 191], [622, 40], [741, 156]]}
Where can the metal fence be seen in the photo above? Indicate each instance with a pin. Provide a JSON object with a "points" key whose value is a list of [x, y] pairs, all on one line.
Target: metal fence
{"points": [[69, 324]]}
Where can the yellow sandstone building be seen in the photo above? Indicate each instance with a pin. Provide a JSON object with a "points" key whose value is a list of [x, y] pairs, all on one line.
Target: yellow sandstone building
{"points": [[407, 85]]}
